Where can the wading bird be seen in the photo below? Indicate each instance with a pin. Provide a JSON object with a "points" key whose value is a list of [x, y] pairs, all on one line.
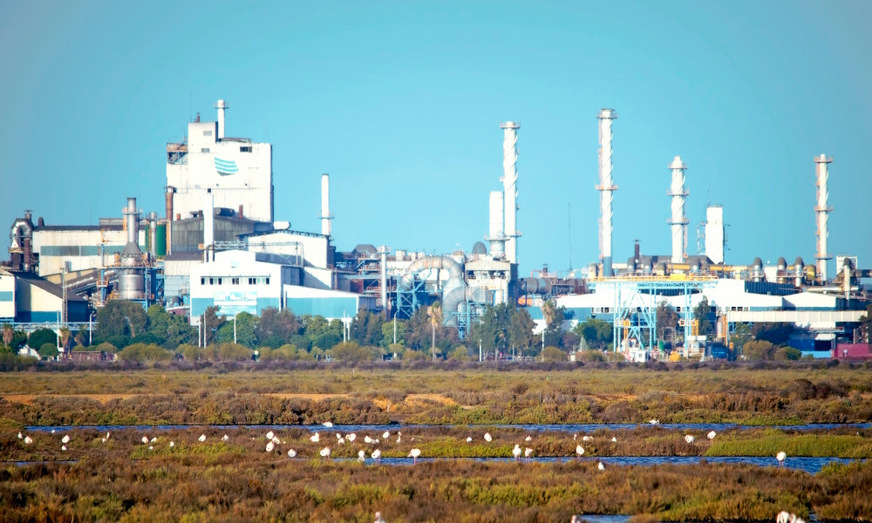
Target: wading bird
{"points": [[654, 422], [399, 437], [600, 466], [64, 448], [172, 444], [202, 438], [28, 440], [327, 424], [65, 439], [528, 438], [20, 436], [144, 440], [579, 451], [528, 452], [151, 447], [781, 456], [315, 438], [270, 446], [414, 453], [689, 438], [586, 438], [351, 437], [270, 435], [386, 435], [487, 436], [292, 453], [361, 455], [782, 517], [614, 439], [325, 452], [469, 439], [516, 451], [711, 435], [376, 454]]}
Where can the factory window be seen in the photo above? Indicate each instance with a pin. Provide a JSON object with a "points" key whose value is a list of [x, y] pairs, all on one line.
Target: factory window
{"points": [[211, 281], [204, 150], [219, 281], [202, 281], [245, 149], [267, 280], [235, 281], [251, 281], [207, 133]]}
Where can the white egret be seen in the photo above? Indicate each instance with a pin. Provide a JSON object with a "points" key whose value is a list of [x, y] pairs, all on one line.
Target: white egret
{"points": [[516, 451], [64, 448], [292, 453], [579, 450], [574, 437], [225, 438], [151, 447], [327, 424], [52, 431], [782, 517], [341, 441], [414, 454], [376, 454], [367, 439], [28, 440], [315, 438], [528, 452], [144, 440], [172, 444], [270, 446], [690, 439], [325, 452], [386, 434], [487, 436], [469, 439], [351, 437], [711, 435], [600, 466], [586, 438], [614, 439], [20, 436], [399, 437], [528, 438], [654, 422], [270, 435], [154, 439], [379, 518], [276, 440], [102, 440], [781, 456], [202, 438], [66, 439], [361, 455]]}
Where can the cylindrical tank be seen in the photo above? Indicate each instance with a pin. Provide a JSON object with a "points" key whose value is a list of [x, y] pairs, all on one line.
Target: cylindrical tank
{"points": [[131, 284], [161, 238]]}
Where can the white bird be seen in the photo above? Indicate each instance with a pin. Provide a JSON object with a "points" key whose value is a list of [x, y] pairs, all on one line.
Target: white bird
{"points": [[579, 450], [690, 439], [528, 438], [654, 422], [154, 439], [20, 436], [270, 446], [276, 440], [368, 439], [270, 435], [66, 439], [107, 434], [711, 435], [586, 438], [52, 431], [516, 451], [327, 424], [292, 453], [414, 453], [781, 456], [782, 517], [469, 439], [528, 452], [341, 441], [379, 518], [574, 437], [325, 452], [172, 444], [351, 437], [28, 440], [600, 466], [399, 437], [361, 455], [151, 447], [64, 448], [102, 440], [225, 438], [315, 438], [487, 436], [386, 434], [376, 454], [614, 439], [145, 439], [202, 438]]}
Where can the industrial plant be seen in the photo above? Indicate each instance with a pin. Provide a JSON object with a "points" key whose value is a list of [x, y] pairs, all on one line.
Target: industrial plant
{"points": [[218, 243]]}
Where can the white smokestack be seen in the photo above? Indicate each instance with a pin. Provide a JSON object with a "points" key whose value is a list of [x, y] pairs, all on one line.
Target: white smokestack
{"points": [[678, 221], [606, 187], [495, 233], [510, 188], [132, 224], [221, 105], [823, 214], [326, 228], [208, 226], [714, 233]]}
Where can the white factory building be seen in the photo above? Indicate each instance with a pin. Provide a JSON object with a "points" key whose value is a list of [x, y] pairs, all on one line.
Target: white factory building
{"points": [[238, 172]]}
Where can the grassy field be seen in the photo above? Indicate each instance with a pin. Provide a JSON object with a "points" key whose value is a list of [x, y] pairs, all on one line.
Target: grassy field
{"points": [[122, 479]]}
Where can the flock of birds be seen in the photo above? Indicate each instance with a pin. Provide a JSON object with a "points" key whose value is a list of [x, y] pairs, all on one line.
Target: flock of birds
{"points": [[273, 441]]}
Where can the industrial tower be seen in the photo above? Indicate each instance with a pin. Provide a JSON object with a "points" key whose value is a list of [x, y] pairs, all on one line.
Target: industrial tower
{"points": [[606, 187], [510, 188], [679, 221], [822, 213]]}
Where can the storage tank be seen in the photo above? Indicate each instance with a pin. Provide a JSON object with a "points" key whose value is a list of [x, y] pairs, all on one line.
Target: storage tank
{"points": [[161, 240]]}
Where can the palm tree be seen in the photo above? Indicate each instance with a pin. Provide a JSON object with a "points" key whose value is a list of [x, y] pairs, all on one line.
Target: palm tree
{"points": [[434, 312], [66, 334]]}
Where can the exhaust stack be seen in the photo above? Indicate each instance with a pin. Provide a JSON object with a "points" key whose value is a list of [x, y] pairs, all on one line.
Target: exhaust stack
{"points": [[221, 105], [326, 217], [822, 211], [496, 237], [678, 221], [606, 187], [510, 188]]}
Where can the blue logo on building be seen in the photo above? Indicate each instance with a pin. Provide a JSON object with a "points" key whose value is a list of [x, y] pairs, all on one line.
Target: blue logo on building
{"points": [[225, 167]]}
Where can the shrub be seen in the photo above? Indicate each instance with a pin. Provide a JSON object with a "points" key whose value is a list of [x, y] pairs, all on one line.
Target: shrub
{"points": [[460, 353], [107, 347], [48, 350], [553, 354], [143, 352], [351, 351], [41, 337]]}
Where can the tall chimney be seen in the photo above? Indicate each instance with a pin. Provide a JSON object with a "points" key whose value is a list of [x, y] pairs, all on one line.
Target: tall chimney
{"points": [[678, 220], [822, 211], [131, 223], [326, 229], [221, 105], [714, 233], [170, 190], [510, 188], [152, 230], [606, 187]]}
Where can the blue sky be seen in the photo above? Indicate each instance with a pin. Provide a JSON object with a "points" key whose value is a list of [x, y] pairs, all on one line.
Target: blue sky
{"points": [[401, 102]]}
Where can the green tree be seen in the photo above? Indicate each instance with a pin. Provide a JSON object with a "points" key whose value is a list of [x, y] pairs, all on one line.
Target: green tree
{"points": [[48, 350], [787, 353], [277, 327], [213, 323], [120, 318], [41, 337], [554, 317], [366, 328], [233, 352], [246, 327], [552, 353], [144, 352], [597, 334], [775, 333], [521, 335], [460, 353], [701, 315], [759, 350], [388, 332], [106, 347], [667, 320], [352, 351], [492, 328]]}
